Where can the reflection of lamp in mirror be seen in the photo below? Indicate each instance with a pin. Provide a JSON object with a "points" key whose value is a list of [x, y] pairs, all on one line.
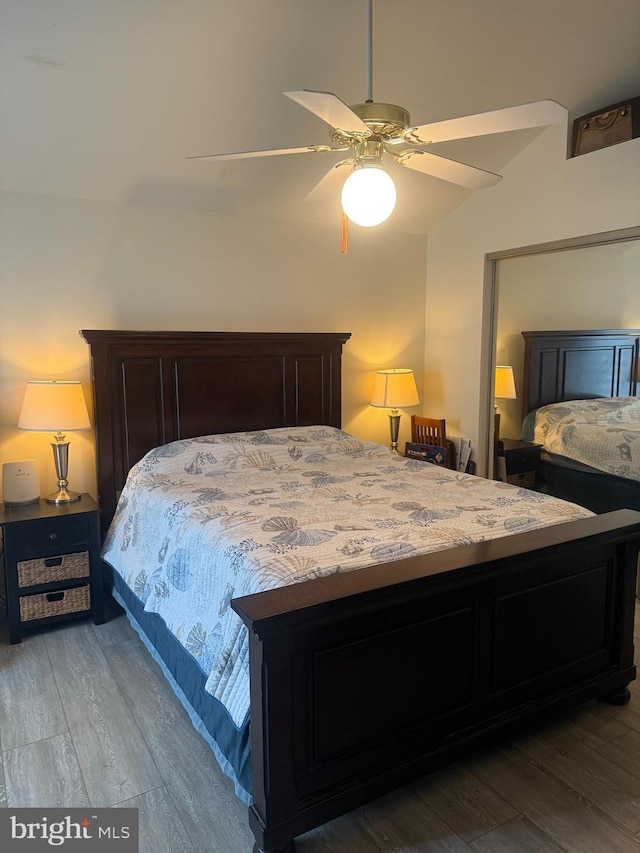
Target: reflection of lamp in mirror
{"points": [[53, 406], [505, 389], [395, 389]]}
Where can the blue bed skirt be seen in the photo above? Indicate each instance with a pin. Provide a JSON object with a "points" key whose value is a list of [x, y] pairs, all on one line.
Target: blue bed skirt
{"points": [[230, 744]]}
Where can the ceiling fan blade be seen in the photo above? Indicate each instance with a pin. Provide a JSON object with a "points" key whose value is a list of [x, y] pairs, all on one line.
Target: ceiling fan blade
{"points": [[447, 170], [270, 152], [331, 109], [535, 114], [327, 187]]}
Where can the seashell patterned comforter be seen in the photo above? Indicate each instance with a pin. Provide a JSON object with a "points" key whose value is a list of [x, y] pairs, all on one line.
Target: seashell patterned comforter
{"points": [[206, 520], [603, 433]]}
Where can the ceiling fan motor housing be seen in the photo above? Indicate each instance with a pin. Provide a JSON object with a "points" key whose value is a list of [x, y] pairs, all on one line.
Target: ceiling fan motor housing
{"points": [[386, 122]]}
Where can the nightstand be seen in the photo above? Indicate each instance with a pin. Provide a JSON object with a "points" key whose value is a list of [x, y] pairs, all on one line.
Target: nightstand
{"points": [[522, 461], [52, 563]]}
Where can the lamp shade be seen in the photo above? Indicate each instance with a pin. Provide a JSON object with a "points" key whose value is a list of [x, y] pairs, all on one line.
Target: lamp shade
{"points": [[395, 389], [54, 406], [505, 384]]}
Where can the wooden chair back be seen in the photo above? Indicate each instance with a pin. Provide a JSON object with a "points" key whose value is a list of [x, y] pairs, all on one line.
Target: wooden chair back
{"points": [[433, 431], [429, 430]]}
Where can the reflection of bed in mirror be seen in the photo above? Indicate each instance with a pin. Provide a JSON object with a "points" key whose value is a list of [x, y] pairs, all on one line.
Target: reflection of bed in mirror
{"points": [[562, 366], [359, 680]]}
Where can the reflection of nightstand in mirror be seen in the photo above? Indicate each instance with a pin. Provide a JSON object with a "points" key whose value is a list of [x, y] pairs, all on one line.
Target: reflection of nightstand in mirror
{"points": [[521, 462]]}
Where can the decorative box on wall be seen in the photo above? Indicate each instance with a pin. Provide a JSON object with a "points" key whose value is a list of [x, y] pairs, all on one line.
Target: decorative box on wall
{"points": [[617, 123]]}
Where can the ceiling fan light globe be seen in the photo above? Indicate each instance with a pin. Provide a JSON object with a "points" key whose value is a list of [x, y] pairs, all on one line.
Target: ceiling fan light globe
{"points": [[368, 196]]}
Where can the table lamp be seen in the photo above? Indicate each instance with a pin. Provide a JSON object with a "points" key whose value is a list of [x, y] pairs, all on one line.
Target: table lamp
{"points": [[395, 389], [505, 384], [505, 389], [56, 406]]}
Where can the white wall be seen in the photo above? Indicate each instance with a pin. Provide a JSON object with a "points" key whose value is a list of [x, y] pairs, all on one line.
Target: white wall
{"points": [[543, 197], [69, 264]]}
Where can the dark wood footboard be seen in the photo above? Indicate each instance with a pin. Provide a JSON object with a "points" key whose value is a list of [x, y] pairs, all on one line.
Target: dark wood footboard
{"points": [[364, 680]]}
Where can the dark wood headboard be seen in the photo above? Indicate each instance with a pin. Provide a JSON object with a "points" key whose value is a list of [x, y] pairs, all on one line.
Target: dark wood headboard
{"points": [[578, 365], [151, 388]]}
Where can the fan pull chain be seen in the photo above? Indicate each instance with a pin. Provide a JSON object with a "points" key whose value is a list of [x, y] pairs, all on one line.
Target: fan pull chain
{"points": [[344, 243]]}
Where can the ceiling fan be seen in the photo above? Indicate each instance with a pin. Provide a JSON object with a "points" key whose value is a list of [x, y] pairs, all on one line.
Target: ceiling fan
{"points": [[370, 130]]}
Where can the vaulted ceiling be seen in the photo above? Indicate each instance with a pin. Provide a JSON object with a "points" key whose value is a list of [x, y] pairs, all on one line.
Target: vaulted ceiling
{"points": [[103, 99]]}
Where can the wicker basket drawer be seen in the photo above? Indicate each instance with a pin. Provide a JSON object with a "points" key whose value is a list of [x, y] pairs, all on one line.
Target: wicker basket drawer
{"points": [[47, 604], [52, 569], [527, 480]]}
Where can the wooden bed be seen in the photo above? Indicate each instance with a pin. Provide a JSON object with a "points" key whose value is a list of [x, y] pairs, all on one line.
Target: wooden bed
{"points": [[579, 365], [495, 633]]}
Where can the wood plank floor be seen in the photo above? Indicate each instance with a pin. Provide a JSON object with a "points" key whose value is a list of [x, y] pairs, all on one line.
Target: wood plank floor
{"points": [[86, 718]]}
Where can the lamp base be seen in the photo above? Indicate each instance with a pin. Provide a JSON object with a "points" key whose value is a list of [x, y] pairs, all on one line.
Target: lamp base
{"points": [[61, 458], [63, 496], [394, 424]]}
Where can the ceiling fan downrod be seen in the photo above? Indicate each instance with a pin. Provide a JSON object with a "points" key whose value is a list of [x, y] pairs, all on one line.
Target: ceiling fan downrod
{"points": [[369, 51], [385, 121]]}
